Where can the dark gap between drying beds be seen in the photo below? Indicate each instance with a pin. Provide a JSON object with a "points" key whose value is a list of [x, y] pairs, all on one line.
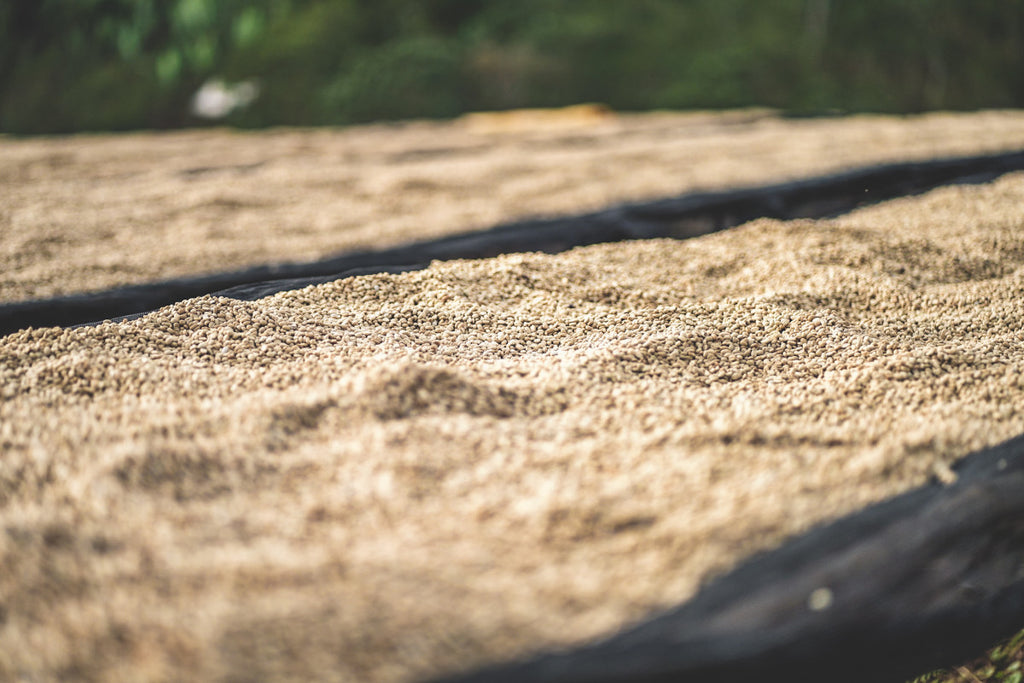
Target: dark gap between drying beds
{"points": [[689, 215]]}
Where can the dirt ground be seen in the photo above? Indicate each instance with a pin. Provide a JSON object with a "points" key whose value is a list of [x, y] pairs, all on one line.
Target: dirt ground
{"points": [[394, 476]]}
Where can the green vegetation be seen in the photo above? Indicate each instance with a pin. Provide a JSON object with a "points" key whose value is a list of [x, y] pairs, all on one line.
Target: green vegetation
{"points": [[1002, 664], [124, 64]]}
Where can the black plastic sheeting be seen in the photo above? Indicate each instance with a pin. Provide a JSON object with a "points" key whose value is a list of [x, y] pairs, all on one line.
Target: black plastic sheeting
{"points": [[682, 217], [926, 579]]}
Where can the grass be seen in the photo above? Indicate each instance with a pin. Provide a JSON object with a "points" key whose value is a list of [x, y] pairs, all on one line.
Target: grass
{"points": [[1002, 664]]}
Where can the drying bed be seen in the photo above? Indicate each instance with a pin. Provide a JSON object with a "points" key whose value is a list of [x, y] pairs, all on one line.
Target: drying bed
{"points": [[771, 448], [683, 217], [91, 213]]}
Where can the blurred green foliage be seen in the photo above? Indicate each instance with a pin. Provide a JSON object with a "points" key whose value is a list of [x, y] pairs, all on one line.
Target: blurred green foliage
{"points": [[123, 64]]}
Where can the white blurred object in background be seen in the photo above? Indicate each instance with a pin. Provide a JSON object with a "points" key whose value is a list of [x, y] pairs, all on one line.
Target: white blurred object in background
{"points": [[217, 98]]}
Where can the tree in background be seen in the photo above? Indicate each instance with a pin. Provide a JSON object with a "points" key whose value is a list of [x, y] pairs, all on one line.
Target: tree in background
{"points": [[115, 64], [122, 64]]}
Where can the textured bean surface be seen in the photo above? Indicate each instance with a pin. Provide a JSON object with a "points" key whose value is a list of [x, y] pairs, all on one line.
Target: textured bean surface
{"points": [[388, 477], [87, 213]]}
